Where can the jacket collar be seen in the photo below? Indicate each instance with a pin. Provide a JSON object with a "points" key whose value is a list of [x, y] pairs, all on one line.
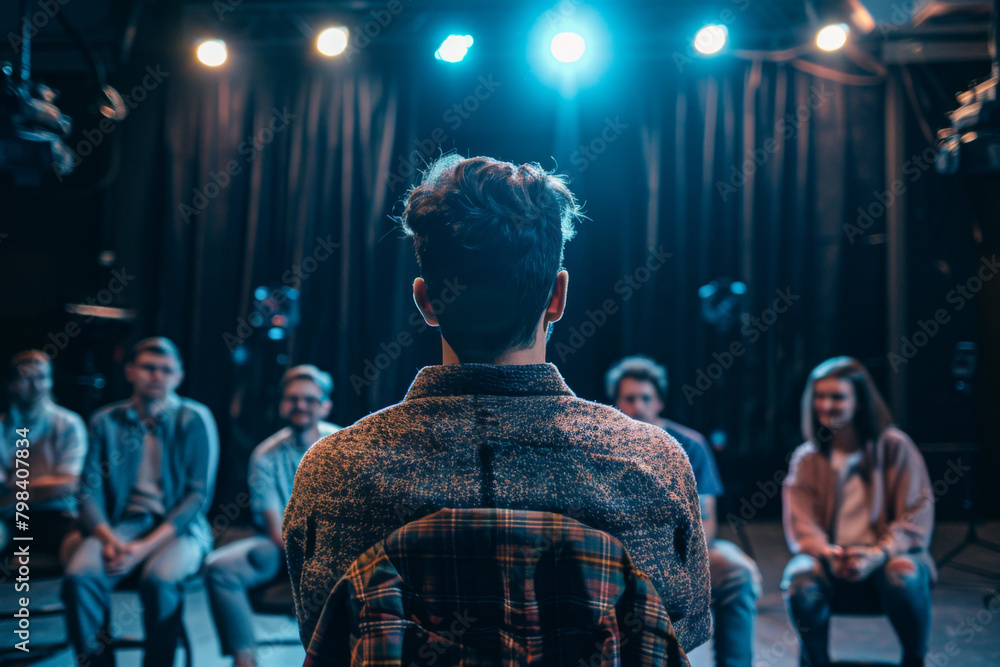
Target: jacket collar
{"points": [[164, 420], [488, 379]]}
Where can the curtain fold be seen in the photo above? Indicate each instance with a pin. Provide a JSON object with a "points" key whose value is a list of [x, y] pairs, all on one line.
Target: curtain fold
{"points": [[279, 176]]}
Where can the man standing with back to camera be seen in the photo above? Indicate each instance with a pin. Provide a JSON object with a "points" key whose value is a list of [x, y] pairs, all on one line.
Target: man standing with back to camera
{"points": [[495, 426]]}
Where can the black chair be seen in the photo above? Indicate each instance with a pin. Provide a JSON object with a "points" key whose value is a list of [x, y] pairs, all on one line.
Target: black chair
{"points": [[275, 599], [869, 607], [130, 584], [46, 573]]}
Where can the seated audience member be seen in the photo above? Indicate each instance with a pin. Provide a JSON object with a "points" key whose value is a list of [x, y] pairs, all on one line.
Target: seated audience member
{"points": [[55, 442], [638, 385], [260, 559], [858, 513], [494, 426], [146, 486]]}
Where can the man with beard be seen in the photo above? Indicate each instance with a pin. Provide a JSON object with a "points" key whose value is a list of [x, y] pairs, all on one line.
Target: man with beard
{"points": [[638, 387], [257, 560]]}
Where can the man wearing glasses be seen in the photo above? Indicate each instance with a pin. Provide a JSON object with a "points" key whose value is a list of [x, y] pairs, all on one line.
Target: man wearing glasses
{"points": [[147, 482], [257, 560]]}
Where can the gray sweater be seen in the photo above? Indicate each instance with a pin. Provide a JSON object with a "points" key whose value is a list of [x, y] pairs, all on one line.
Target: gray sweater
{"points": [[514, 437]]}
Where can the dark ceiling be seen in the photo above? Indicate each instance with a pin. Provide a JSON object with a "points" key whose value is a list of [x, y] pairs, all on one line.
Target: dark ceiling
{"points": [[115, 28]]}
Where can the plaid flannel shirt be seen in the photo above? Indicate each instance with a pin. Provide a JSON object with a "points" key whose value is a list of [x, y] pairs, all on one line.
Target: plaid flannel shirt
{"points": [[511, 437], [493, 586]]}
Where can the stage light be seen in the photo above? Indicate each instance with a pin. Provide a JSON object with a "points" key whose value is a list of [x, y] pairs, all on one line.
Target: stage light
{"points": [[832, 37], [332, 41], [567, 47], [454, 48], [212, 52], [571, 50], [711, 39]]}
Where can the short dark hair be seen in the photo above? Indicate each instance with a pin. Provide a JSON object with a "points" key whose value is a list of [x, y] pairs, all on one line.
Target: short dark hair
{"points": [[309, 372], [498, 230], [871, 416], [157, 345], [25, 358], [638, 368]]}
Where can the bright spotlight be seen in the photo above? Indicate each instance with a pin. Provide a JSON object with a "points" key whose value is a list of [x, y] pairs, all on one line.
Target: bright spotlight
{"points": [[710, 39], [454, 48], [332, 41], [212, 52], [832, 37], [567, 47]]}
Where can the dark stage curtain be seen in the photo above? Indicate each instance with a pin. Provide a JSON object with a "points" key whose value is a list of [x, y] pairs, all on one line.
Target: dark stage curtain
{"points": [[747, 172], [275, 181]]}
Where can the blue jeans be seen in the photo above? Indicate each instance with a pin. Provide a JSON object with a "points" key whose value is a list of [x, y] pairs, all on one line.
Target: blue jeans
{"points": [[229, 572], [86, 592], [901, 589], [736, 585]]}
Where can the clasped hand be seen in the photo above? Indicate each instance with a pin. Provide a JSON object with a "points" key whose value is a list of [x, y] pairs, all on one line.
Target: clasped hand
{"points": [[119, 557], [854, 563]]}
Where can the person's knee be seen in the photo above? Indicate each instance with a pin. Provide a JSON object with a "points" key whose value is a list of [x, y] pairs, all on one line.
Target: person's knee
{"points": [[735, 574], [84, 569], [802, 576], [802, 586], [154, 585], [902, 570], [219, 574], [902, 576], [85, 583]]}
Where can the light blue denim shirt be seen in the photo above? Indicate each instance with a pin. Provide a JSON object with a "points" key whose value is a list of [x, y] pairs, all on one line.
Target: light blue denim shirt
{"points": [[58, 443], [190, 441]]}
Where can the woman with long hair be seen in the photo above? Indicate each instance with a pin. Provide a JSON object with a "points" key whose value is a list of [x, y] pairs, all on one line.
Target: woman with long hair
{"points": [[858, 512]]}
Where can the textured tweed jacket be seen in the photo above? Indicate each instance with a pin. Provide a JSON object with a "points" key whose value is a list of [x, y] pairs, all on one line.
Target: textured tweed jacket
{"points": [[512, 437]]}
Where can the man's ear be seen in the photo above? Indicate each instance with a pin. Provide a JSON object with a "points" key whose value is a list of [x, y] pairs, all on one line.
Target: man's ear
{"points": [[557, 304], [423, 303]]}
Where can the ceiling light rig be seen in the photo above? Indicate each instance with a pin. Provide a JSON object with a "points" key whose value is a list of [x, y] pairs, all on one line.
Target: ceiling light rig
{"points": [[212, 52], [454, 48], [332, 41]]}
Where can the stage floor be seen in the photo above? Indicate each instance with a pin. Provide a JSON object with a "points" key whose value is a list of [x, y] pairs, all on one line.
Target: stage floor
{"points": [[959, 616]]}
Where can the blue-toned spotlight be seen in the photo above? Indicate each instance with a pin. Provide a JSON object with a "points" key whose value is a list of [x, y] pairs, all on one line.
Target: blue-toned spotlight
{"points": [[567, 47], [454, 48], [710, 39]]}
